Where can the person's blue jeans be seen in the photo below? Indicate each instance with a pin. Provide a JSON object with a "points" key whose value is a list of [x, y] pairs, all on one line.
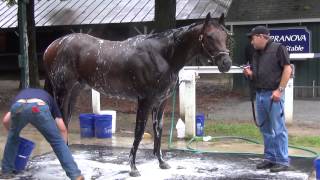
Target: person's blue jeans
{"points": [[274, 131], [40, 117]]}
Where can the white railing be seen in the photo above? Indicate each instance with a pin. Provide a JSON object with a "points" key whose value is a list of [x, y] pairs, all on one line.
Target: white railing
{"points": [[187, 94], [298, 56], [188, 76]]}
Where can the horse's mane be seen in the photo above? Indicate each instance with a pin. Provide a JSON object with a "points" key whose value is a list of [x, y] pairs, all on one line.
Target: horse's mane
{"points": [[167, 33], [175, 33]]}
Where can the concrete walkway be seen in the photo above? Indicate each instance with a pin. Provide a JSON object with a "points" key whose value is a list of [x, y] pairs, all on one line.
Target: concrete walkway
{"points": [[304, 111], [101, 162]]}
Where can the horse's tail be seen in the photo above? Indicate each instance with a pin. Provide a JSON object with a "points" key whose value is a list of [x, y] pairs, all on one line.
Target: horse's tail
{"points": [[48, 86], [49, 57], [47, 83]]}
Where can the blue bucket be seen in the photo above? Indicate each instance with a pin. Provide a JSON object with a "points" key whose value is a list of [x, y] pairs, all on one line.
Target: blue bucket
{"points": [[200, 124], [103, 126], [86, 125], [317, 167], [25, 149]]}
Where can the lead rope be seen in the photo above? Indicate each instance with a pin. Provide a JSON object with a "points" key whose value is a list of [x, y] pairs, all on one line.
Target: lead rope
{"points": [[253, 107], [251, 86]]}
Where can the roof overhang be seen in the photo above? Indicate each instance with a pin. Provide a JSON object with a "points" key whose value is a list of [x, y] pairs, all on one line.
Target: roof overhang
{"points": [[284, 21]]}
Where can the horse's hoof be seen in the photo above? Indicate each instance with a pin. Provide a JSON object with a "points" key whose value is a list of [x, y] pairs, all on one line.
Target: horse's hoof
{"points": [[165, 165], [134, 173]]}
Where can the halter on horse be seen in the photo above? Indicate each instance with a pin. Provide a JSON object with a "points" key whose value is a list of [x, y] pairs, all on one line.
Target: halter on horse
{"points": [[143, 68]]}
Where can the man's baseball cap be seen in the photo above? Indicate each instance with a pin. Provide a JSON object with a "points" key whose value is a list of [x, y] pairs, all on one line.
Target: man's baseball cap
{"points": [[258, 30]]}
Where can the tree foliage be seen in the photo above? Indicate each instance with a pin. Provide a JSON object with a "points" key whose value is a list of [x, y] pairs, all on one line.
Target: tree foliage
{"points": [[10, 2]]}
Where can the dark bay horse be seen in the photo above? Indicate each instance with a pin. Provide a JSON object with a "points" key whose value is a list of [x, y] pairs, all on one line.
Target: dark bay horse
{"points": [[143, 68]]}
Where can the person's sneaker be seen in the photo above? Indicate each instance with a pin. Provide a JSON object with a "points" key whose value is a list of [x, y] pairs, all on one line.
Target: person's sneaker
{"points": [[279, 167], [6, 175], [264, 165]]}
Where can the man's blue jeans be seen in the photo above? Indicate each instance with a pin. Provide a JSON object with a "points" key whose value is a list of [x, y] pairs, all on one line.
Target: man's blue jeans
{"points": [[274, 131], [40, 117]]}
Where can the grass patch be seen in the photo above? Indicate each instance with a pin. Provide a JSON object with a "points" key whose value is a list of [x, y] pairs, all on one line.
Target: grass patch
{"points": [[243, 130], [252, 132], [306, 141]]}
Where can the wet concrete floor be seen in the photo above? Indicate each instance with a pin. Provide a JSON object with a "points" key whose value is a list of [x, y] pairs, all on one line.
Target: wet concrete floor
{"points": [[108, 159], [105, 162], [121, 139]]}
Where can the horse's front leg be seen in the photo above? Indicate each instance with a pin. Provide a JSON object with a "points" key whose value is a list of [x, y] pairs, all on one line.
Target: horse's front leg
{"points": [[157, 114], [141, 120]]}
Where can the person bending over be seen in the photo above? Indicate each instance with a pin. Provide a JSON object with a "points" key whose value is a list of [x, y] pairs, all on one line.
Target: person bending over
{"points": [[37, 107]]}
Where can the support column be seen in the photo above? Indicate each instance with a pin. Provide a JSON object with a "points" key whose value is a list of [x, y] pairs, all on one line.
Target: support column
{"points": [[23, 41], [187, 98], [95, 101], [288, 99]]}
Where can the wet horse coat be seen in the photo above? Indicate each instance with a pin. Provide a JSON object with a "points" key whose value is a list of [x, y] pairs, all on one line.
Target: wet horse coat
{"points": [[143, 68]]}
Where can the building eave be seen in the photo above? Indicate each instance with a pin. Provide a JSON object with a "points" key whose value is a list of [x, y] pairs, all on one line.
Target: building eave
{"points": [[284, 21]]}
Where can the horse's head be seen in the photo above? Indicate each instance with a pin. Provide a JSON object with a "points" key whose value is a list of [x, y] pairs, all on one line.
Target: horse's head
{"points": [[213, 39]]}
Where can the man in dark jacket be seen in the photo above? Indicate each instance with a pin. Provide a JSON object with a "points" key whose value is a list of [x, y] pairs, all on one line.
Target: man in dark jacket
{"points": [[37, 107], [270, 73]]}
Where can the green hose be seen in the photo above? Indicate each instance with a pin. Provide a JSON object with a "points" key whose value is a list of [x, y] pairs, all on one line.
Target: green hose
{"points": [[195, 138]]}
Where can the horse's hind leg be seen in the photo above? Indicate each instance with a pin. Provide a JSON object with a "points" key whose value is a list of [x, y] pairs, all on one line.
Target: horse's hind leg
{"points": [[73, 97], [69, 101], [65, 93], [141, 120], [157, 114]]}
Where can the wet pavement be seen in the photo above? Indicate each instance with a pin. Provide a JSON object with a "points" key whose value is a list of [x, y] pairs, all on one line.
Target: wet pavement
{"points": [[108, 158], [105, 162]]}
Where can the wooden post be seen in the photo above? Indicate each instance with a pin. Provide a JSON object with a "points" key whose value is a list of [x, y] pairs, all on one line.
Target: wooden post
{"points": [[23, 41]]}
